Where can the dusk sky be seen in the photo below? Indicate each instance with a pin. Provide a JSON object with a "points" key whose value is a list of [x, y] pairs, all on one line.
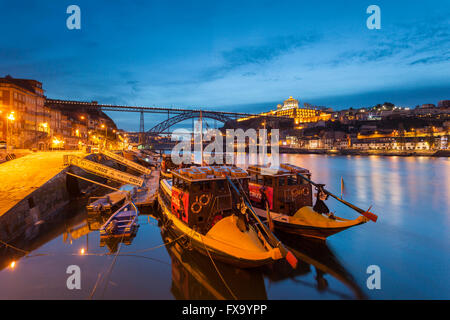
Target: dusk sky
{"points": [[230, 55]]}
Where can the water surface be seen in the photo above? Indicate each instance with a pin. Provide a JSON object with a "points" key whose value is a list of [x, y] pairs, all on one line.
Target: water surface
{"points": [[409, 242]]}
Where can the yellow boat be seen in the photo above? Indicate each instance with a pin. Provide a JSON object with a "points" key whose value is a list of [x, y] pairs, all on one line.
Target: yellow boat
{"points": [[290, 201], [197, 204]]}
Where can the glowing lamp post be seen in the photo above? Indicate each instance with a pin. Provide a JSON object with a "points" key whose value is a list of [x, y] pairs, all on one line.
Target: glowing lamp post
{"points": [[9, 118], [56, 143], [106, 132]]}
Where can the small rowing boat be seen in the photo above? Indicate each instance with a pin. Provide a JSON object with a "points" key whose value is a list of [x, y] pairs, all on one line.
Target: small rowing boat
{"points": [[123, 223], [106, 204]]}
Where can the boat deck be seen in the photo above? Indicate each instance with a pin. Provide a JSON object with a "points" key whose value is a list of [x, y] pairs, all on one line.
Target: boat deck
{"points": [[114, 198], [146, 196]]}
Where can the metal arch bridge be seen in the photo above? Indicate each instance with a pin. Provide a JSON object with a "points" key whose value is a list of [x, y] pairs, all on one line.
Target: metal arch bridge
{"points": [[83, 105], [174, 115], [166, 124]]}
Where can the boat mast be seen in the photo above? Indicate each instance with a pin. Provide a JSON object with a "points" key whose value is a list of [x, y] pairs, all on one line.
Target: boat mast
{"points": [[201, 139]]}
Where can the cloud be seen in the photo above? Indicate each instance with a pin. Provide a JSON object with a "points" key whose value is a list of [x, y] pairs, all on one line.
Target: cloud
{"points": [[258, 55], [135, 85], [431, 59], [405, 41]]}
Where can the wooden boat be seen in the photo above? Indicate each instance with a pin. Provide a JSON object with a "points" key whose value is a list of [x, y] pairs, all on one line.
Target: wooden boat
{"points": [[123, 223], [290, 202], [198, 205], [106, 204], [167, 165]]}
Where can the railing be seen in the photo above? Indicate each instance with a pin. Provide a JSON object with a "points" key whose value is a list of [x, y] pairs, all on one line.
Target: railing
{"points": [[102, 170], [221, 203], [126, 162]]}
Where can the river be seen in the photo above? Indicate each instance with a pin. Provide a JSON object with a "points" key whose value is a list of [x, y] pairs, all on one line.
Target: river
{"points": [[409, 243]]}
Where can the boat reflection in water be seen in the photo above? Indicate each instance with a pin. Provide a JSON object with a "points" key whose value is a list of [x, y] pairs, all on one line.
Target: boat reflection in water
{"points": [[314, 254], [95, 222], [194, 276], [112, 243]]}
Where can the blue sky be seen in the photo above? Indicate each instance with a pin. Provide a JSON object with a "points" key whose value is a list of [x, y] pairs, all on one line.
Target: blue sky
{"points": [[230, 55]]}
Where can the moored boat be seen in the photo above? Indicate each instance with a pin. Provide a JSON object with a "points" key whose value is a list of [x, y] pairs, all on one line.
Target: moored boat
{"points": [[285, 197], [167, 165], [198, 204], [123, 223], [106, 204]]}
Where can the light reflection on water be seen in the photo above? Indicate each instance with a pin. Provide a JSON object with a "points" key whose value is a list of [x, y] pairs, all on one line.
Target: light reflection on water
{"points": [[410, 243]]}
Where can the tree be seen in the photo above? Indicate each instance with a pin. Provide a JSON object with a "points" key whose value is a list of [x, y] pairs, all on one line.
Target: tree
{"points": [[401, 136], [430, 137]]}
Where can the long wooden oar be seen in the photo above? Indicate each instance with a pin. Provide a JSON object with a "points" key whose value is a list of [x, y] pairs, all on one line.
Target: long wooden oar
{"points": [[269, 218], [290, 258], [366, 214]]}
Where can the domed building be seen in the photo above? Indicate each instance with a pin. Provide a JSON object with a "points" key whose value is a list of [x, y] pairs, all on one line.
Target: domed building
{"points": [[290, 109], [290, 103]]}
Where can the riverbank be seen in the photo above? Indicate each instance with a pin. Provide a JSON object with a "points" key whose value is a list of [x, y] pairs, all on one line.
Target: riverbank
{"points": [[354, 152], [35, 187]]}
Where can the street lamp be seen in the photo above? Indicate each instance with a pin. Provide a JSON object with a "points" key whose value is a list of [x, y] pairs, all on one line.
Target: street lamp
{"points": [[106, 132], [44, 126], [9, 118], [83, 117]]}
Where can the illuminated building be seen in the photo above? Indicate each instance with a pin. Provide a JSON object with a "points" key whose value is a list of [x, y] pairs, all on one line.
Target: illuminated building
{"points": [[26, 98], [290, 108], [38, 121]]}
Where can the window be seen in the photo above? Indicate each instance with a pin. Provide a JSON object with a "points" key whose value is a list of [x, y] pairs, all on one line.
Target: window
{"points": [[205, 186], [221, 187], [267, 181], [291, 181], [195, 188], [179, 183], [281, 181]]}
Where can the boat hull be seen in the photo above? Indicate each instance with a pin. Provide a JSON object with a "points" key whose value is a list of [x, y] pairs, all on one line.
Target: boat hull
{"points": [[311, 232], [122, 224], [291, 225], [209, 248]]}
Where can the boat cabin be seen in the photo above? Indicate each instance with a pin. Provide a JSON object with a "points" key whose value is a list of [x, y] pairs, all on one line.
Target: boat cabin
{"points": [[201, 196], [286, 191]]}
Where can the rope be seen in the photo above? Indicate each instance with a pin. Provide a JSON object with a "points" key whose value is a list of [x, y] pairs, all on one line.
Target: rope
{"points": [[217, 270], [113, 262], [278, 242], [153, 248], [111, 267], [13, 247], [108, 272], [92, 181], [95, 286], [105, 253]]}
